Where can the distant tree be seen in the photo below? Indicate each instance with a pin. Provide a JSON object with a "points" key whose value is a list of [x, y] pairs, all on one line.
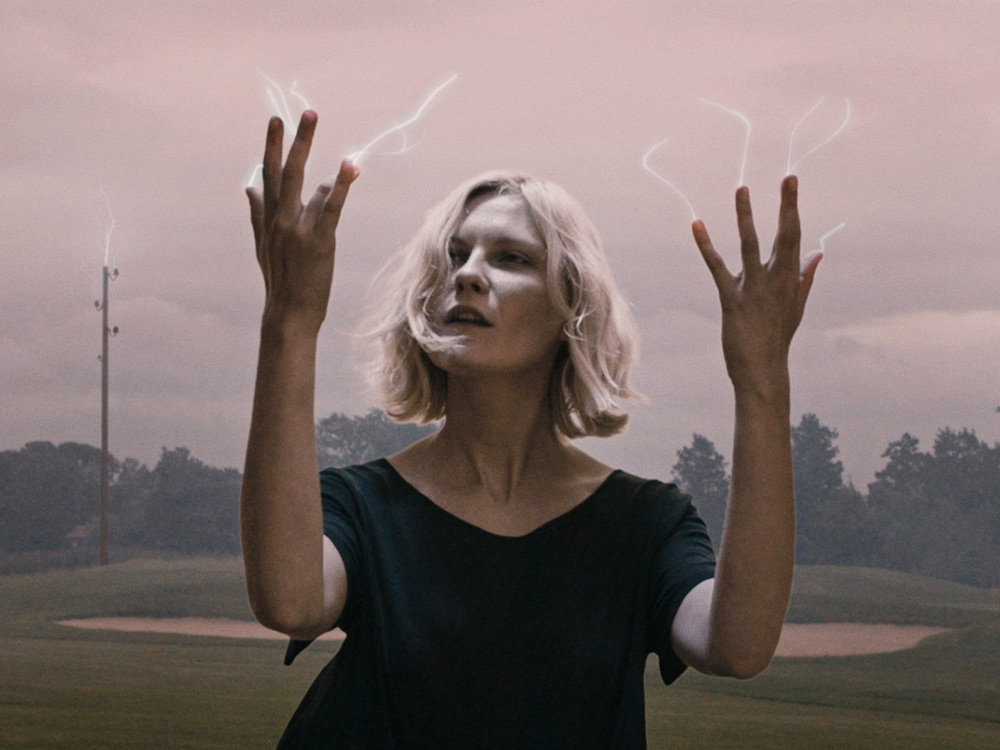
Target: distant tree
{"points": [[964, 484], [130, 502], [939, 513], [831, 518], [906, 466], [193, 508], [47, 491], [817, 469], [900, 504], [701, 472], [342, 440]]}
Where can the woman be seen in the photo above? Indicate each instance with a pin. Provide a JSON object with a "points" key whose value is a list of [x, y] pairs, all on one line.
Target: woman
{"points": [[499, 587]]}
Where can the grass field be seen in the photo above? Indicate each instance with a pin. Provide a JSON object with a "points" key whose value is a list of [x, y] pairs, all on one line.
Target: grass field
{"points": [[67, 688]]}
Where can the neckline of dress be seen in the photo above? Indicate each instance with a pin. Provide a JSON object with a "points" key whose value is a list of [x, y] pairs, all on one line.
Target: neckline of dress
{"points": [[557, 520]]}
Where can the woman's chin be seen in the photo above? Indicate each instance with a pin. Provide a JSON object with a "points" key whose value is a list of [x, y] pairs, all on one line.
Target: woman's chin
{"points": [[451, 357]]}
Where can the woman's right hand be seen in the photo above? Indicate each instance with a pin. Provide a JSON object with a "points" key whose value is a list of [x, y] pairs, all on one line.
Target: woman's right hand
{"points": [[296, 243]]}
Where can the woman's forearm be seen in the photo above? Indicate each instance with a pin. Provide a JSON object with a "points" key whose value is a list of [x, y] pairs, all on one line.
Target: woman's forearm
{"points": [[754, 575], [281, 517], [280, 513], [762, 306]]}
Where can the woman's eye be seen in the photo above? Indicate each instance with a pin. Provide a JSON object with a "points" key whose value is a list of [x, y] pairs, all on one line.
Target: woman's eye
{"points": [[515, 258]]}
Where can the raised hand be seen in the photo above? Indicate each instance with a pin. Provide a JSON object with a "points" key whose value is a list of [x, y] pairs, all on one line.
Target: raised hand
{"points": [[296, 243], [762, 305]]}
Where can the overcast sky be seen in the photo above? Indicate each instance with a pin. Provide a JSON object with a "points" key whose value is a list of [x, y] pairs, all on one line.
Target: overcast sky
{"points": [[162, 107]]}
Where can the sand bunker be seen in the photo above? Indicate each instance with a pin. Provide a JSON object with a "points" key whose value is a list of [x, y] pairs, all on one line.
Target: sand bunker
{"points": [[217, 627], [849, 638], [820, 639]]}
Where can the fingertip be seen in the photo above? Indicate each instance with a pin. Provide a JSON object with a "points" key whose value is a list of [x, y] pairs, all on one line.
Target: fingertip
{"points": [[811, 263], [310, 116], [742, 201], [349, 170]]}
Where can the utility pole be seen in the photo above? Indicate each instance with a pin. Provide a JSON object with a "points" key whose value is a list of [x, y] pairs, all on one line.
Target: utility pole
{"points": [[106, 333]]}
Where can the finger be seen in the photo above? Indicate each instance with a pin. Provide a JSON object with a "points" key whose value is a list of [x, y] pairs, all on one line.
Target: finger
{"points": [[256, 213], [749, 247], [808, 276], [716, 265], [290, 197], [327, 222], [787, 241], [271, 176], [315, 205]]}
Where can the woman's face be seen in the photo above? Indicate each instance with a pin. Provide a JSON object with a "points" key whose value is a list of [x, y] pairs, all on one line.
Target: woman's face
{"points": [[496, 296]]}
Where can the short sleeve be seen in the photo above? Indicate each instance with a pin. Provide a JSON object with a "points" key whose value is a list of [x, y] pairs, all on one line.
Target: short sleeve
{"points": [[683, 559], [340, 525]]}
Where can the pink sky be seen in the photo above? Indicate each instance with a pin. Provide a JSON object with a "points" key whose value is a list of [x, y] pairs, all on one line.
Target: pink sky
{"points": [[162, 105]]}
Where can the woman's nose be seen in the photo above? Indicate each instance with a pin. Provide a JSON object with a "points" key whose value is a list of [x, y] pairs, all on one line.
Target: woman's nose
{"points": [[472, 275]]}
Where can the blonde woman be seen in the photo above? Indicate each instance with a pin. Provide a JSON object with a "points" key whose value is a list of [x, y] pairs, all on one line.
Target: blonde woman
{"points": [[499, 587]]}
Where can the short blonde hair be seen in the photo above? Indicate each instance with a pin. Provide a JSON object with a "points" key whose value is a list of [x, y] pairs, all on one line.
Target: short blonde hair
{"points": [[590, 377]]}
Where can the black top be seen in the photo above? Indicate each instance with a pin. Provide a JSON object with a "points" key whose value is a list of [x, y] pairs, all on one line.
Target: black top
{"points": [[460, 638]]}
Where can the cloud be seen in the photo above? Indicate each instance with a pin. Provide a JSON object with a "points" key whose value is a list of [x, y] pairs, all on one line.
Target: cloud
{"points": [[935, 330], [162, 105]]}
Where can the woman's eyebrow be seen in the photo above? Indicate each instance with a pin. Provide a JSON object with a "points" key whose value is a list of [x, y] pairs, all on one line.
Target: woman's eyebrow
{"points": [[503, 238]]}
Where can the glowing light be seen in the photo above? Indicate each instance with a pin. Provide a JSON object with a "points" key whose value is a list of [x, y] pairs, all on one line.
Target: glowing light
{"points": [[746, 141], [791, 141], [361, 153], [279, 103], [254, 172], [280, 108], [825, 237], [748, 130], [664, 180], [111, 228]]}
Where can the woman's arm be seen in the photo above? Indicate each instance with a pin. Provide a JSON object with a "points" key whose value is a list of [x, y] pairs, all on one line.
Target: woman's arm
{"points": [[731, 625], [295, 578]]}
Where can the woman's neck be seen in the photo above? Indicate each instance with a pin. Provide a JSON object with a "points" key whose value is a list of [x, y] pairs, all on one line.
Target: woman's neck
{"points": [[497, 435]]}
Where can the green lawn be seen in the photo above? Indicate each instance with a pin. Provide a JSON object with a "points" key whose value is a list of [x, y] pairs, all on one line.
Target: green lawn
{"points": [[67, 688]]}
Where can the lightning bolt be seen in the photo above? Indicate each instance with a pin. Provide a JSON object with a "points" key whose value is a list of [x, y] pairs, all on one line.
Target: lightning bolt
{"points": [[790, 166], [746, 141], [828, 235], [358, 156], [279, 102], [646, 165], [280, 108], [111, 228]]}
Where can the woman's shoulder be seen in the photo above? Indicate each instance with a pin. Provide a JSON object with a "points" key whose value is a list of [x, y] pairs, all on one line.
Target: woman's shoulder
{"points": [[358, 481], [646, 486], [654, 500], [378, 467]]}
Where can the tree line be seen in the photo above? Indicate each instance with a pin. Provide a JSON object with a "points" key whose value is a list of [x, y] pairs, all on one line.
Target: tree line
{"points": [[50, 495], [933, 512]]}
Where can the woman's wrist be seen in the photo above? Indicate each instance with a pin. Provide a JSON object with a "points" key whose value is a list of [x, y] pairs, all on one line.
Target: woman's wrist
{"points": [[771, 392], [282, 326]]}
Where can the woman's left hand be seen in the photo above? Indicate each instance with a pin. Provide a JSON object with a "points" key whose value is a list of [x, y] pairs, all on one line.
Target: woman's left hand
{"points": [[762, 304]]}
